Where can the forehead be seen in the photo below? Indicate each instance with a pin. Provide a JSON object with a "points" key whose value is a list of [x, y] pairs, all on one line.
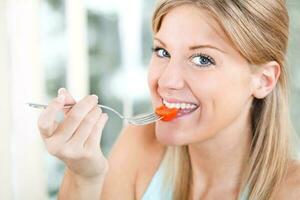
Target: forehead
{"points": [[187, 24]]}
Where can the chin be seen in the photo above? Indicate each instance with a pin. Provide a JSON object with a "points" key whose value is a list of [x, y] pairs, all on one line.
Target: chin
{"points": [[169, 137]]}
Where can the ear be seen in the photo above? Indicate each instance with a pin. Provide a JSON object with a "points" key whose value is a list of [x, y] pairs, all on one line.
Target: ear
{"points": [[265, 79]]}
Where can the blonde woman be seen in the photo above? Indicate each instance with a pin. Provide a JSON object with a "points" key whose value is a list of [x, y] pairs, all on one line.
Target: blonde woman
{"points": [[223, 64]]}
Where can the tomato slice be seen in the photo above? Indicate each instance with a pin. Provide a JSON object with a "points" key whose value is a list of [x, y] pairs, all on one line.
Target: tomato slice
{"points": [[167, 113]]}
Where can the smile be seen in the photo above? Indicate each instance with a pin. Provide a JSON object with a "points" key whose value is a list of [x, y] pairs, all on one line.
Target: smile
{"points": [[183, 108]]}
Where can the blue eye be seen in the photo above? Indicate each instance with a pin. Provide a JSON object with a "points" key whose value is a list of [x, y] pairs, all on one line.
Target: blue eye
{"points": [[202, 60], [160, 52]]}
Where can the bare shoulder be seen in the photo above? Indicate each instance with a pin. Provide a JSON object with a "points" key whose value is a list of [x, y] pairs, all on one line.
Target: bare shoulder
{"points": [[130, 152], [137, 140], [290, 189]]}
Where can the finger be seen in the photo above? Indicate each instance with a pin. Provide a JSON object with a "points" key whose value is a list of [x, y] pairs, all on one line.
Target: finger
{"points": [[69, 98], [75, 116], [86, 127], [94, 139], [46, 121]]}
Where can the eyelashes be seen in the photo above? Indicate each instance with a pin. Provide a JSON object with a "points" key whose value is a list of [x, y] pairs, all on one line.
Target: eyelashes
{"points": [[198, 59], [203, 59], [160, 52]]}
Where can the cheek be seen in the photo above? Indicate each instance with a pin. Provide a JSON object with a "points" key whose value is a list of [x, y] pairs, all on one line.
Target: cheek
{"points": [[203, 84], [228, 91], [222, 96], [230, 99]]}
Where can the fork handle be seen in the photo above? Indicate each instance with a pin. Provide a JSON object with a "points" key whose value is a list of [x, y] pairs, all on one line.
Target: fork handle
{"points": [[42, 106]]}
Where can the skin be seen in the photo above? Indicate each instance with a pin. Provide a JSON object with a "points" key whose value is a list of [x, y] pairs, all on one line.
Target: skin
{"points": [[217, 133]]}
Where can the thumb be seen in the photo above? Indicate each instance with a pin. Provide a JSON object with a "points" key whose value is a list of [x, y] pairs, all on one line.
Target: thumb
{"points": [[68, 97]]}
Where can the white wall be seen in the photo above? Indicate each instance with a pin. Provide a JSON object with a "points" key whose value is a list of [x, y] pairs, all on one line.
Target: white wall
{"points": [[77, 65], [29, 172], [5, 108]]}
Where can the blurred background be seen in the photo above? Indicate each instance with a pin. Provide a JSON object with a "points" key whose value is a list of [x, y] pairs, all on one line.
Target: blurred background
{"points": [[90, 47]]}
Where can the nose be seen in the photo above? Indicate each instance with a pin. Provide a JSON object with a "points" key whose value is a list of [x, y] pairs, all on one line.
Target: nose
{"points": [[172, 76]]}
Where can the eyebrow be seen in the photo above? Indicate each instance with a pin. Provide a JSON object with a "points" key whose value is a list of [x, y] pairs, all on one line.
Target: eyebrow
{"points": [[194, 47]]}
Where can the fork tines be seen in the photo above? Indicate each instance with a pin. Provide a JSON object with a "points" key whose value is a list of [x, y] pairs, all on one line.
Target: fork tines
{"points": [[144, 119]]}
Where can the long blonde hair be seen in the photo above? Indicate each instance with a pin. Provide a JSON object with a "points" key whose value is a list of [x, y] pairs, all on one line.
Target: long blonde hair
{"points": [[259, 31]]}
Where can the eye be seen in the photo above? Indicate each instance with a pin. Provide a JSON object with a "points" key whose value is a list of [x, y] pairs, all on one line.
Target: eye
{"points": [[160, 52], [202, 60]]}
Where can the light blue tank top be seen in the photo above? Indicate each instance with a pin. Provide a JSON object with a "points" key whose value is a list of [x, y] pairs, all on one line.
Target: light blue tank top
{"points": [[154, 190]]}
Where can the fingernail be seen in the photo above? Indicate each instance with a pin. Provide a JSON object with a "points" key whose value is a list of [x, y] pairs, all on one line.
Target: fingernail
{"points": [[95, 96], [61, 98], [61, 90], [105, 116]]}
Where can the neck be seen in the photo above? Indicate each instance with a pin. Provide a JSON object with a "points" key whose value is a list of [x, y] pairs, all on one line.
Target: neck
{"points": [[220, 161]]}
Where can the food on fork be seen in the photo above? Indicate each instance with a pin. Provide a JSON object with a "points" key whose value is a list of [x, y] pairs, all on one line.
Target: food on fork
{"points": [[167, 113]]}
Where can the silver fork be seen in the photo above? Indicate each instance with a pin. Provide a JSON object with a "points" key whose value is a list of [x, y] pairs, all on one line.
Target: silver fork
{"points": [[141, 119]]}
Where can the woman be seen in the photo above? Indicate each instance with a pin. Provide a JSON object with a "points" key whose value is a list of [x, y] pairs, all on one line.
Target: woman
{"points": [[222, 63]]}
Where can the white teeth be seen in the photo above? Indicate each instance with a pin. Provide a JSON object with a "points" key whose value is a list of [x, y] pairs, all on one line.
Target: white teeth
{"points": [[183, 105], [179, 105]]}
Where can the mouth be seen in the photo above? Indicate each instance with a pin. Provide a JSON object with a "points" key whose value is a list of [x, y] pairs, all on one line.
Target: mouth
{"points": [[184, 108]]}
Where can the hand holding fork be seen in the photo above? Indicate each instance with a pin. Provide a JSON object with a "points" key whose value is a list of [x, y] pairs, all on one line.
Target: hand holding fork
{"points": [[76, 140]]}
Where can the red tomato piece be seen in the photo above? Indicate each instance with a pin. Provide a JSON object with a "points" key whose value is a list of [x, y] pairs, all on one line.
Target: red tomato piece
{"points": [[167, 113]]}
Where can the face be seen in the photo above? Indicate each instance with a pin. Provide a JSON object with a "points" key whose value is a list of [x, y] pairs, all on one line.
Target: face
{"points": [[194, 66]]}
